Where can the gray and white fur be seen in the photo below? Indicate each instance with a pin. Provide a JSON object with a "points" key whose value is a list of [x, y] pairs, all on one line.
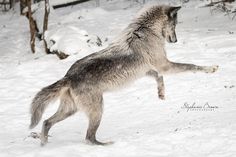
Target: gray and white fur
{"points": [[138, 52]]}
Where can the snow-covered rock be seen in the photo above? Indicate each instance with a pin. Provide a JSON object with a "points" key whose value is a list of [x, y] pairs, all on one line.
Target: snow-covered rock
{"points": [[71, 40]]}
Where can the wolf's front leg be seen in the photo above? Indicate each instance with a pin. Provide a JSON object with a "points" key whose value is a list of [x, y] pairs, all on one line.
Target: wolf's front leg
{"points": [[160, 83], [172, 67], [161, 87]]}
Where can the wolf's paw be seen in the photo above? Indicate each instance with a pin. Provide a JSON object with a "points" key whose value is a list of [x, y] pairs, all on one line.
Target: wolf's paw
{"points": [[161, 96], [211, 69], [44, 140], [95, 142]]}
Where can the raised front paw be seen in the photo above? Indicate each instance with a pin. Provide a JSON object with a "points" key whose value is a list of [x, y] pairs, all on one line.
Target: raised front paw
{"points": [[211, 69]]}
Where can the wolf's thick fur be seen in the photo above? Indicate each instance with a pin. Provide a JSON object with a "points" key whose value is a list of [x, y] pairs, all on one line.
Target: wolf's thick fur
{"points": [[139, 51]]}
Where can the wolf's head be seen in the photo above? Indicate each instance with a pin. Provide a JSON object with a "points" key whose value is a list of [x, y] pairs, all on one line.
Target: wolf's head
{"points": [[169, 23], [161, 20]]}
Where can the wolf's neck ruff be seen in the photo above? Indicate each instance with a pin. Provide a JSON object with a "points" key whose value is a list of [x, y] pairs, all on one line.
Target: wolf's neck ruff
{"points": [[151, 22]]}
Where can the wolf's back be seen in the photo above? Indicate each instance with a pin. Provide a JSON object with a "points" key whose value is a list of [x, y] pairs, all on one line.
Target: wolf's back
{"points": [[43, 98]]}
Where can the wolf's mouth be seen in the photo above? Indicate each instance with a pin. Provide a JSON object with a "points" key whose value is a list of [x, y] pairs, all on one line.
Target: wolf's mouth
{"points": [[171, 40]]}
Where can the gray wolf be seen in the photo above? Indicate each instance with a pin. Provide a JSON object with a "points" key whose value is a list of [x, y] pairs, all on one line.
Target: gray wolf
{"points": [[139, 51]]}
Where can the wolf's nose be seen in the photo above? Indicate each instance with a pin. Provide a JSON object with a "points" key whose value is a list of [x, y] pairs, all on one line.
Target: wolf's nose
{"points": [[174, 41]]}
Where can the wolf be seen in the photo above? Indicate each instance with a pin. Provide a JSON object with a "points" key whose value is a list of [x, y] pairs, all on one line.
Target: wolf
{"points": [[139, 51]]}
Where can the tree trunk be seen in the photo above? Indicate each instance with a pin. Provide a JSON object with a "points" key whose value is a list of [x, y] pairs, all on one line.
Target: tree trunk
{"points": [[45, 24], [32, 27], [23, 4]]}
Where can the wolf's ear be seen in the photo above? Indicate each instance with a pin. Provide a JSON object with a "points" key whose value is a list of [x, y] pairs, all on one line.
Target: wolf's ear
{"points": [[173, 11]]}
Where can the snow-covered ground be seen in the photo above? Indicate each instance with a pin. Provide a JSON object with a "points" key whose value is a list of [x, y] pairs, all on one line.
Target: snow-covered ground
{"points": [[140, 124]]}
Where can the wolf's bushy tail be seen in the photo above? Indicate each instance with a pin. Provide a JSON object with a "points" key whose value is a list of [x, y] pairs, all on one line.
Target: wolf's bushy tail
{"points": [[43, 98]]}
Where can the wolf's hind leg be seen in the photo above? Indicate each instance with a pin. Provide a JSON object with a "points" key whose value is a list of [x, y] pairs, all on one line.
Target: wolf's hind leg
{"points": [[94, 110], [67, 108]]}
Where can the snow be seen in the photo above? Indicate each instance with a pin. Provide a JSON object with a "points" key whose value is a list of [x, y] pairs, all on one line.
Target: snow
{"points": [[66, 39], [139, 123]]}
